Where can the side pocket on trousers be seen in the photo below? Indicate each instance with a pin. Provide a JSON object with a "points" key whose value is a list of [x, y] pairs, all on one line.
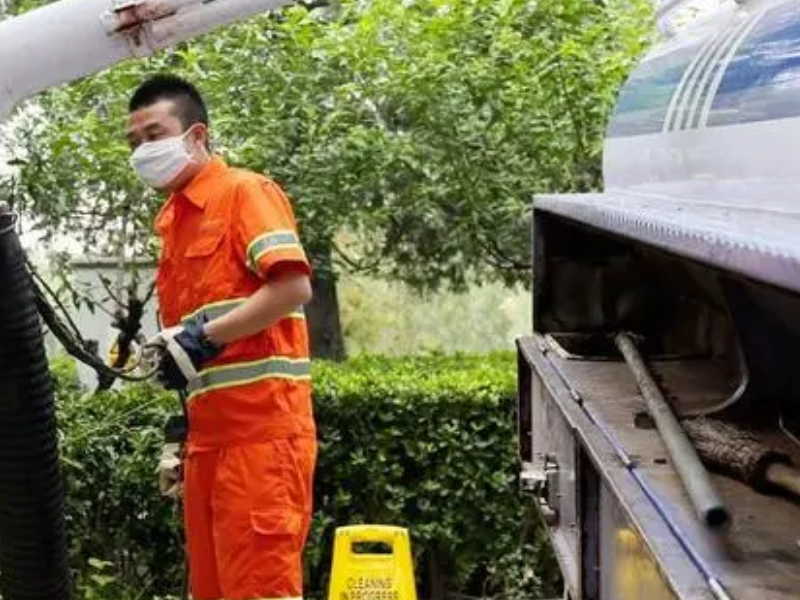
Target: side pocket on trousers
{"points": [[285, 523]]}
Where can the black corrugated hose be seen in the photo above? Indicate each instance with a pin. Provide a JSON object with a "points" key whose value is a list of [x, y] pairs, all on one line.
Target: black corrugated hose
{"points": [[33, 555]]}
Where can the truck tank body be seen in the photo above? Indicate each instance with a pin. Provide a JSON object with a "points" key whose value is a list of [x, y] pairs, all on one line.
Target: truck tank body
{"points": [[694, 246]]}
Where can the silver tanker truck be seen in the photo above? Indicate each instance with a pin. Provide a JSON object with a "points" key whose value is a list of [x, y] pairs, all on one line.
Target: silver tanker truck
{"points": [[659, 394]]}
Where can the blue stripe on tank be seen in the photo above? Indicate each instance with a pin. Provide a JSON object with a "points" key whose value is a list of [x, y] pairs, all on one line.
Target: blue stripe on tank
{"points": [[762, 81], [644, 100]]}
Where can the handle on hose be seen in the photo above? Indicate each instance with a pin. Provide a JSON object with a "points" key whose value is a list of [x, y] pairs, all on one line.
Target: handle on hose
{"points": [[12, 220], [183, 396], [183, 431], [176, 429]]}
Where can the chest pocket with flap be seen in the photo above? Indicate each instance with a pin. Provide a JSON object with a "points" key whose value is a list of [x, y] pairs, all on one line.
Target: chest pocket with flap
{"points": [[207, 241]]}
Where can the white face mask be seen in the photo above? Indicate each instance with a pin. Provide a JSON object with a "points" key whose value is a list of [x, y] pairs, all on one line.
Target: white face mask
{"points": [[160, 162]]}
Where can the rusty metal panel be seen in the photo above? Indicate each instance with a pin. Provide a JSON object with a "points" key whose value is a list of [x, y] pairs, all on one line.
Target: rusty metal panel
{"points": [[524, 411], [561, 428], [554, 454], [757, 558], [697, 386]]}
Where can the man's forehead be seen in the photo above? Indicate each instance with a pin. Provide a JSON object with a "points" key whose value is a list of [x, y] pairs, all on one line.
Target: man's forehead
{"points": [[161, 112]]}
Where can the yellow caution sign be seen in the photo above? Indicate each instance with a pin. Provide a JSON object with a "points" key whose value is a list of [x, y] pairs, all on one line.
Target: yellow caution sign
{"points": [[372, 562]]}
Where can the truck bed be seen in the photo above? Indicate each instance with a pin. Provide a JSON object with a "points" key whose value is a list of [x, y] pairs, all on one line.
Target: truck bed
{"points": [[758, 556]]}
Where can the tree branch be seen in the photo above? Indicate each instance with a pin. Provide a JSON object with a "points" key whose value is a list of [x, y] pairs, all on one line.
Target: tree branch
{"points": [[500, 259], [580, 149], [107, 287], [149, 294], [357, 266], [87, 298]]}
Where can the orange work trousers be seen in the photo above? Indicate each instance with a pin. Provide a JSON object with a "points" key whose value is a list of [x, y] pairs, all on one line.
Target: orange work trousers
{"points": [[247, 511]]}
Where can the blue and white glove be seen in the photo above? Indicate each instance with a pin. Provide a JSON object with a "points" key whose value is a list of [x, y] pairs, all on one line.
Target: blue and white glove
{"points": [[183, 351]]}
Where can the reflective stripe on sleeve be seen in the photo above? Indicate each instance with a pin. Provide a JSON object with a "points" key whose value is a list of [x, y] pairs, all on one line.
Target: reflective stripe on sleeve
{"points": [[214, 309], [275, 367], [270, 242], [217, 309], [298, 313]]}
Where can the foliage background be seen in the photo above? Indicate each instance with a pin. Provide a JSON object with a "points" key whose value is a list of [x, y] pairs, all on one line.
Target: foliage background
{"points": [[393, 319], [421, 128], [426, 442]]}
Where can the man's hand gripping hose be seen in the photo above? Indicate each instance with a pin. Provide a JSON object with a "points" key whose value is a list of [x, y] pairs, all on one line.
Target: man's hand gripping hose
{"points": [[180, 353]]}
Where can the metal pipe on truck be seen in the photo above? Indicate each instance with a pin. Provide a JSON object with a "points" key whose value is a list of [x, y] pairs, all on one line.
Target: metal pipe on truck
{"points": [[704, 497]]}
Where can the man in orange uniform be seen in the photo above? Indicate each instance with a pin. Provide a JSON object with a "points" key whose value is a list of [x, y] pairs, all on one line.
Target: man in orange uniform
{"points": [[232, 279]]}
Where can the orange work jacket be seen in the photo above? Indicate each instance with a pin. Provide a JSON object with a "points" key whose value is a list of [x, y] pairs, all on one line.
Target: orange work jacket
{"points": [[222, 237]]}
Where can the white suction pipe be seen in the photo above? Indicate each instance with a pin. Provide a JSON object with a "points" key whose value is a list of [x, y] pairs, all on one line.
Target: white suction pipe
{"points": [[202, 17], [70, 39]]}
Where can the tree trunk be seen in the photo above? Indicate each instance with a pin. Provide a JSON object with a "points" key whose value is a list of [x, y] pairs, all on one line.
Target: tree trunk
{"points": [[437, 586], [324, 326]]}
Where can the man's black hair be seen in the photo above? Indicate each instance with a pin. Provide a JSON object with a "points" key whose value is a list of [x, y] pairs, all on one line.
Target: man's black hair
{"points": [[189, 104]]}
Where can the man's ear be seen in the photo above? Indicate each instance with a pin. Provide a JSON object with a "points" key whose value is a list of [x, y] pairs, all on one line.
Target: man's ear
{"points": [[202, 136]]}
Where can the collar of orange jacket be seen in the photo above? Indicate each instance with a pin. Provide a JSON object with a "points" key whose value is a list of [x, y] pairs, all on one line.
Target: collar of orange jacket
{"points": [[202, 186]]}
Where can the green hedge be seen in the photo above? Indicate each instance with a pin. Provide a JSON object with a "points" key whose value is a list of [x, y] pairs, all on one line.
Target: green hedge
{"points": [[427, 443]]}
